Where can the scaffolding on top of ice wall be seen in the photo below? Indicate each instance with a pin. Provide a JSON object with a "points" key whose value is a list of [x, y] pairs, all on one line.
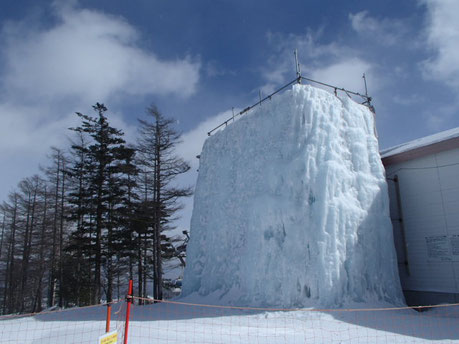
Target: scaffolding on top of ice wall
{"points": [[298, 80]]}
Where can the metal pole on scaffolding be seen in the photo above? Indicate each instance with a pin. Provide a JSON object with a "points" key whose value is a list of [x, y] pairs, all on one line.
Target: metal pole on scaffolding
{"points": [[368, 101], [297, 66], [365, 81], [128, 312]]}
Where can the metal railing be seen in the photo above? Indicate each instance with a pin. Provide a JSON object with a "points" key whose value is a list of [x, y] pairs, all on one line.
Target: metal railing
{"points": [[366, 98]]}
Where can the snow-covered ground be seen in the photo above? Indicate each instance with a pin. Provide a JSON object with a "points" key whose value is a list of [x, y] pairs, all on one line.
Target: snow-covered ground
{"points": [[176, 323]]}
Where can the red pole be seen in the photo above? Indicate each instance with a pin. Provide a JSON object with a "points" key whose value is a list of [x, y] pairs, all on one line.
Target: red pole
{"points": [[128, 312], [109, 314]]}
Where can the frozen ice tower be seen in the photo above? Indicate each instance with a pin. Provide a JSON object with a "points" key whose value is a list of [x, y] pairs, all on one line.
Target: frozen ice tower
{"points": [[291, 208]]}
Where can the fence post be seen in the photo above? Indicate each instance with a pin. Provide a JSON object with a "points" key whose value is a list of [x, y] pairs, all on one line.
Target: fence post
{"points": [[109, 315], [128, 312]]}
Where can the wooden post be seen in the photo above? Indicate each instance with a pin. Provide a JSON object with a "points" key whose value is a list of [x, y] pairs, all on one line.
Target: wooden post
{"points": [[128, 312]]}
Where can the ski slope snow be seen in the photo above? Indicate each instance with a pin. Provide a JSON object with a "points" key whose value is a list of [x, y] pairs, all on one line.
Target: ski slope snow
{"points": [[179, 323]]}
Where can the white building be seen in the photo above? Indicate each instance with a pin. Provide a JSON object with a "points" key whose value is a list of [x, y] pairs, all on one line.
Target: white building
{"points": [[423, 179]]}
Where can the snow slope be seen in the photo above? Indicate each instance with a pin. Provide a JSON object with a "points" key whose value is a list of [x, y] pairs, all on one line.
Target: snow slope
{"points": [[177, 323], [291, 208]]}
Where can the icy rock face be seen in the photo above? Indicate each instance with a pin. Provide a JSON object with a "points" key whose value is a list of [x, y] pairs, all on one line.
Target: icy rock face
{"points": [[291, 208]]}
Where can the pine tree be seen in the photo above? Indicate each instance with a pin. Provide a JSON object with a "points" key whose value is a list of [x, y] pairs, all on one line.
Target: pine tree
{"points": [[105, 165], [56, 175], [11, 279], [29, 190], [80, 246], [97, 213], [42, 247], [160, 165]]}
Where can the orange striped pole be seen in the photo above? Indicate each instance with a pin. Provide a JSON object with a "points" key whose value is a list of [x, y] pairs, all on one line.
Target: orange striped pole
{"points": [[109, 315]]}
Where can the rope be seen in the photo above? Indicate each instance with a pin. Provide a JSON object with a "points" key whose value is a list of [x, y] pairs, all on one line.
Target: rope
{"points": [[121, 307], [295, 309], [8, 316]]}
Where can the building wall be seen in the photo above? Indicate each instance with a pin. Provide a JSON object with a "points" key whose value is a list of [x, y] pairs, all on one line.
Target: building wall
{"points": [[427, 237]]}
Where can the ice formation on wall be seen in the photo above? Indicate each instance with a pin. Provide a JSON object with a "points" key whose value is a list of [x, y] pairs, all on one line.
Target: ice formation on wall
{"points": [[291, 208]]}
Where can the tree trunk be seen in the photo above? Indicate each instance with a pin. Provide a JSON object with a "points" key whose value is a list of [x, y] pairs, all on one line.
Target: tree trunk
{"points": [[3, 232], [52, 275], [99, 210], [37, 307], [31, 204], [61, 239], [157, 219], [10, 286], [139, 266]]}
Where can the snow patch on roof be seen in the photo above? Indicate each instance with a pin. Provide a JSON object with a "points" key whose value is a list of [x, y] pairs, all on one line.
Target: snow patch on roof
{"points": [[422, 142]]}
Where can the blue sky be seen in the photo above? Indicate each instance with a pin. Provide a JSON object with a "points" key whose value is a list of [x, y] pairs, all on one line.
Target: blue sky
{"points": [[197, 59]]}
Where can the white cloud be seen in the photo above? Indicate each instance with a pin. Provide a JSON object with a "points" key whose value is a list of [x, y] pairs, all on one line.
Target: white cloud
{"points": [[384, 31], [440, 119], [362, 23], [409, 100], [23, 131], [346, 73], [50, 71], [442, 34], [26, 138], [89, 55], [333, 63]]}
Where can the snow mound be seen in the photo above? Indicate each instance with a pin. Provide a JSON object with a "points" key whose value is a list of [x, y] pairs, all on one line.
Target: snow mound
{"points": [[291, 208]]}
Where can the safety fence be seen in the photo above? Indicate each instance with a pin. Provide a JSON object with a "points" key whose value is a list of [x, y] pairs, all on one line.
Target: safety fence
{"points": [[145, 320], [71, 325], [182, 322]]}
